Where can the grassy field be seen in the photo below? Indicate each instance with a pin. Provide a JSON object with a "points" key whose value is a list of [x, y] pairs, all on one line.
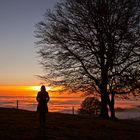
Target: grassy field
{"points": [[24, 125]]}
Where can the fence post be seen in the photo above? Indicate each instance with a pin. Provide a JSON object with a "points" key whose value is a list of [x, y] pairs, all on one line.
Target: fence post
{"points": [[17, 104], [73, 110]]}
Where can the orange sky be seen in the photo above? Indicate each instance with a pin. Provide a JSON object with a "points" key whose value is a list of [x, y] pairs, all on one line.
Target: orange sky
{"points": [[7, 90], [16, 90], [20, 90]]}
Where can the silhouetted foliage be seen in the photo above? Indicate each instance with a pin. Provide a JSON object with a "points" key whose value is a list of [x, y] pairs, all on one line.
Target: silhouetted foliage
{"points": [[92, 46], [90, 105]]}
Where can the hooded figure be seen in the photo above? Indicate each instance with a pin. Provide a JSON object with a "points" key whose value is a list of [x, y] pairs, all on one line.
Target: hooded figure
{"points": [[42, 99]]}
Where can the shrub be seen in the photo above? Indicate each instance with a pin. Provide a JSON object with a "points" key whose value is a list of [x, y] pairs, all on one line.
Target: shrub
{"points": [[90, 105]]}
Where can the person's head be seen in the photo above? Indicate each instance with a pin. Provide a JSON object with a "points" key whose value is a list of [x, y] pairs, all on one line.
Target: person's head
{"points": [[43, 88]]}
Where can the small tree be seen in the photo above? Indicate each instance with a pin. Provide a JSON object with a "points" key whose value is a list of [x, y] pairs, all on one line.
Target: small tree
{"points": [[90, 105], [92, 46]]}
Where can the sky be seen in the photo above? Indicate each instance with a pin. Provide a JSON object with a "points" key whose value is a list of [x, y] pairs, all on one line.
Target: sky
{"points": [[18, 58]]}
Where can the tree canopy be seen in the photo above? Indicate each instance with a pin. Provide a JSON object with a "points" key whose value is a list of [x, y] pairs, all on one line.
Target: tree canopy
{"points": [[92, 46]]}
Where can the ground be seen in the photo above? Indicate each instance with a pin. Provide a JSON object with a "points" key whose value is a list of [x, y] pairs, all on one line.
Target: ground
{"points": [[24, 125]]}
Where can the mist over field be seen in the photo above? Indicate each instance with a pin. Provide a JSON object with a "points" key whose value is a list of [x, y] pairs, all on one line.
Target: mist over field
{"points": [[125, 109]]}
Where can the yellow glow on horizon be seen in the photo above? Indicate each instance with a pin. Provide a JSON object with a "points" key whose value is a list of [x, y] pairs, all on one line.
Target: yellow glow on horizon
{"points": [[28, 88], [32, 91], [21, 90], [57, 88], [37, 88]]}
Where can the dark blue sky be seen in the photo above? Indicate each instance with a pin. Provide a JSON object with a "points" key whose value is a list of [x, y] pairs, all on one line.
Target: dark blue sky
{"points": [[18, 58]]}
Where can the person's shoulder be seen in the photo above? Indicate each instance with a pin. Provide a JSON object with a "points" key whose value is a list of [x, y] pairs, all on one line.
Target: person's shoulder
{"points": [[46, 93], [39, 93]]}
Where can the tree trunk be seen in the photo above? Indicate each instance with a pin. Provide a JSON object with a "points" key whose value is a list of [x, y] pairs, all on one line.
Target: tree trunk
{"points": [[104, 108], [104, 100], [111, 105], [112, 102], [104, 94]]}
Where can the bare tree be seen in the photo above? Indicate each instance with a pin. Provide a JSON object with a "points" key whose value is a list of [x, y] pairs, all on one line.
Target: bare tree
{"points": [[92, 46]]}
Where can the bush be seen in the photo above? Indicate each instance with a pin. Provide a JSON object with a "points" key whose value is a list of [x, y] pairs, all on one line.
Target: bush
{"points": [[90, 105]]}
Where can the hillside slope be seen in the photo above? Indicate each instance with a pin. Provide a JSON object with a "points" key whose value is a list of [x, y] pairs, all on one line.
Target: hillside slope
{"points": [[24, 125]]}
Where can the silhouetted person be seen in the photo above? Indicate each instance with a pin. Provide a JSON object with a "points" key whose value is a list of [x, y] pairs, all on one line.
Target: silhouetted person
{"points": [[42, 99]]}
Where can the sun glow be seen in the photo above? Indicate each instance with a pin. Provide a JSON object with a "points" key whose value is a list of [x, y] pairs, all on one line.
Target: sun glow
{"points": [[27, 90], [37, 88]]}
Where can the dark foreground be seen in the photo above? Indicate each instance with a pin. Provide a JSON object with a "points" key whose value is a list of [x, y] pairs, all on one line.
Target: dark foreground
{"points": [[24, 125]]}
